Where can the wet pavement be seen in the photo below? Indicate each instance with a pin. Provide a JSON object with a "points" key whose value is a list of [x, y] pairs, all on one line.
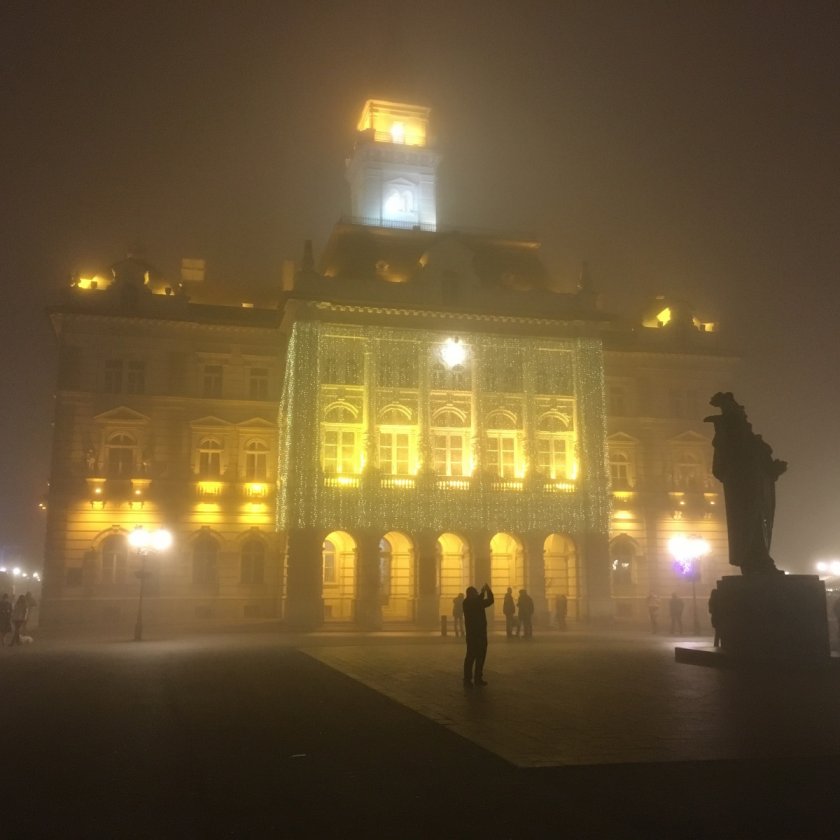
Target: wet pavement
{"points": [[270, 735]]}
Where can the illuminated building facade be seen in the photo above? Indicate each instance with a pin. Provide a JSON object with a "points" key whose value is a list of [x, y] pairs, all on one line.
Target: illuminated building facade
{"points": [[421, 413]]}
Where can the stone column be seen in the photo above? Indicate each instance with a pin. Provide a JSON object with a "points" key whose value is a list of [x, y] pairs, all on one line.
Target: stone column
{"points": [[595, 568], [534, 557], [368, 604], [304, 603], [428, 597]]}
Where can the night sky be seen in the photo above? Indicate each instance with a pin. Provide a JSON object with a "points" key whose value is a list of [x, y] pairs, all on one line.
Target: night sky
{"points": [[679, 147]]}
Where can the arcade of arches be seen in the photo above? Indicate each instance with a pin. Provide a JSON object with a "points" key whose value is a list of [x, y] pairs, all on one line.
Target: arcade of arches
{"points": [[395, 578]]}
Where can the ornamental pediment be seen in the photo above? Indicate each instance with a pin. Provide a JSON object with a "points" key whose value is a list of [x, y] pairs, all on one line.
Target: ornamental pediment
{"points": [[622, 438], [256, 423], [123, 415], [690, 438], [209, 421]]}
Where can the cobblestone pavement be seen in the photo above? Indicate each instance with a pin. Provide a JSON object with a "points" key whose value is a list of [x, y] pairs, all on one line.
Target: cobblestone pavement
{"points": [[583, 699]]}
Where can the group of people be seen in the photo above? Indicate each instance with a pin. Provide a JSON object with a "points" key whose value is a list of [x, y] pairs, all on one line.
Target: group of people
{"points": [[519, 614], [675, 611], [13, 617]]}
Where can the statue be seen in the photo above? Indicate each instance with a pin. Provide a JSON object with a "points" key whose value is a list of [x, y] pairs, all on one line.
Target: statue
{"points": [[743, 462]]}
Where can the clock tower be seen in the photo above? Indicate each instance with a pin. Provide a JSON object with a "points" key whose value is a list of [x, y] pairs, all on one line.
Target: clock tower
{"points": [[392, 171]]}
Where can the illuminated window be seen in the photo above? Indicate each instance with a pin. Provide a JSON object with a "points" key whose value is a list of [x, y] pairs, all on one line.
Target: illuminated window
{"points": [[552, 456], [384, 569], [113, 376], [394, 453], [136, 378], [253, 561], [339, 451], [620, 471], [121, 451], [330, 567], [688, 473], [210, 458], [212, 386], [258, 384], [500, 453], [205, 560], [623, 551], [455, 378], [448, 452], [114, 557], [256, 461]]}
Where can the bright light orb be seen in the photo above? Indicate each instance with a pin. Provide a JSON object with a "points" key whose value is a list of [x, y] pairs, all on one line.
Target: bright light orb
{"points": [[452, 352], [158, 540], [398, 132]]}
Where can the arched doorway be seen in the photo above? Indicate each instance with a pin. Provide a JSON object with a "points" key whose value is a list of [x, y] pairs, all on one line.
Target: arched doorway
{"points": [[507, 569], [561, 575], [396, 577], [338, 576], [453, 569]]}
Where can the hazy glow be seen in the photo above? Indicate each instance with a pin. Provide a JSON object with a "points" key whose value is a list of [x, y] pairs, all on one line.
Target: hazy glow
{"points": [[158, 540], [829, 567], [452, 352], [395, 122], [398, 132]]}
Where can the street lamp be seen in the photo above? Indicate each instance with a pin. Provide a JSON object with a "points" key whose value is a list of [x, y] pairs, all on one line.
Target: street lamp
{"points": [[144, 543], [687, 552]]}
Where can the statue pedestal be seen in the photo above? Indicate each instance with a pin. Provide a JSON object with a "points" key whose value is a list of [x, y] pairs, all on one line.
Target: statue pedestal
{"points": [[773, 618]]}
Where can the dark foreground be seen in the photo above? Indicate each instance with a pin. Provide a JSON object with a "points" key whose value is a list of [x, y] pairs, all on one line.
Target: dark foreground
{"points": [[248, 736]]}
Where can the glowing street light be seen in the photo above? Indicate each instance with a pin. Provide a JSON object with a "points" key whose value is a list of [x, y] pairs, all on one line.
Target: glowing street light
{"points": [[145, 543], [687, 552], [452, 352]]}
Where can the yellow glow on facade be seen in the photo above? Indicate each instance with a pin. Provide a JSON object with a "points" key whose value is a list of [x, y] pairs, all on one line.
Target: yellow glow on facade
{"points": [[623, 515], [95, 281], [664, 317], [395, 122], [256, 489], [210, 488]]}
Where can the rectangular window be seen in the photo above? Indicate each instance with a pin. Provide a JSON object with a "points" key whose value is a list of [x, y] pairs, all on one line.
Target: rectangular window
{"points": [[500, 454], [212, 381], [210, 463], [340, 451], [551, 456], [136, 378], [113, 376], [394, 453], [259, 384], [449, 453]]}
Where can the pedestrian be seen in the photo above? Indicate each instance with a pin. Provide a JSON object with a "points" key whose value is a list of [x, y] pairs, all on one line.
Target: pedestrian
{"points": [[714, 616], [458, 615], [475, 620], [5, 617], [525, 604], [653, 612], [562, 611], [509, 609], [675, 606], [19, 614]]}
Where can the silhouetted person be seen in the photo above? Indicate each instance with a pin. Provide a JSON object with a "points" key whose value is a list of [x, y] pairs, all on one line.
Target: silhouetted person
{"points": [[525, 604], [509, 609], [5, 617], [675, 606], [714, 615], [562, 611], [475, 620], [653, 612], [19, 614], [458, 615]]}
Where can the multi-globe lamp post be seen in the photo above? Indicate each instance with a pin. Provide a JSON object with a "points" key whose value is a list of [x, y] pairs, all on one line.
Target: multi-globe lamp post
{"points": [[687, 552], [145, 543]]}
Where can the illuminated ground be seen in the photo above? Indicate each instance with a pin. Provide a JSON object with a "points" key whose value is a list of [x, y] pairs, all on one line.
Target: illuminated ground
{"points": [[255, 735]]}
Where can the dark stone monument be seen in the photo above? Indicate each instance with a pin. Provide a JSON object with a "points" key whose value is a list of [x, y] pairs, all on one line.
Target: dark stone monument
{"points": [[763, 615]]}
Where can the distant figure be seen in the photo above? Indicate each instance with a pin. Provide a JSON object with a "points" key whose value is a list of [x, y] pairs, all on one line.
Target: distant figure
{"points": [[745, 465], [5, 618], [526, 613], [458, 615], [675, 605], [476, 622], [31, 603], [714, 615], [509, 609], [653, 612], [562, 611], [19, 615]]}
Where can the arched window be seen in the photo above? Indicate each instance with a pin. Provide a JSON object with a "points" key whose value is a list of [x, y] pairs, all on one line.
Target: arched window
{"points": [[622, 560], [330, 568], [205, 560], [449, 442], [114, 557], [256, 461], [500, 444], [253, 561], [120, 456], [384, 568], [210, 458], [688, 472]]}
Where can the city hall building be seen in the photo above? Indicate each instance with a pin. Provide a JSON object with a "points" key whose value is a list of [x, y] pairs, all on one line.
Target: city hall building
{"points": [[417, 412]]}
